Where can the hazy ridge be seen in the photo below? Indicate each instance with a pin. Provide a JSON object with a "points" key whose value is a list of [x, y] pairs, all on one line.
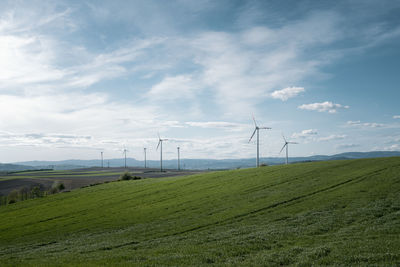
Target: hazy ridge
{"points": [[197, 164]]}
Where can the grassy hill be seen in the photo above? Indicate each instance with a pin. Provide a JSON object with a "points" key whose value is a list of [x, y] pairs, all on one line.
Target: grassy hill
{"points": [[325, 213]]}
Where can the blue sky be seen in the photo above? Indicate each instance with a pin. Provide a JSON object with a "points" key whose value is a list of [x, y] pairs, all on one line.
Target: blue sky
{"points": [[80, 77]]}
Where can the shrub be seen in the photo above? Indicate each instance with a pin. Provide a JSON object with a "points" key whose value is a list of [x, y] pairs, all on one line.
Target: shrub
{"points": [[128, 176], [61, 187], [56, 187], [12, 197], [23, 193], [36, 192]]}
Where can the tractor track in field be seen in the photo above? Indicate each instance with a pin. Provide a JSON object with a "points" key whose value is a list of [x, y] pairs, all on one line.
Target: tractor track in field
{"points": [[356, 179], [241, 216]]}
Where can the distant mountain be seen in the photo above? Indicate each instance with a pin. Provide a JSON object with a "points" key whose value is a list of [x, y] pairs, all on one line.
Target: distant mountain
{"points": [[14, 167], [198, 164]]}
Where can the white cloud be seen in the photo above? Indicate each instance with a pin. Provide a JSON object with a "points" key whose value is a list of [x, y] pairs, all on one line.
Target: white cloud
{"points": [[218, 124], [365, 124], [353, 122], [178, 87], [396, 117], [26, 60], [77, 114], [44, 140], [332, 137], [305, 133], [235, 71], [51, 69], [326, 106], [394, 147], [287, 93]]}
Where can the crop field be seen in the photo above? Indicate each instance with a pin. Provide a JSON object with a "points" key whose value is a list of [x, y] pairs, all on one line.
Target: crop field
{"points": [[323, 213], [73, 179]]}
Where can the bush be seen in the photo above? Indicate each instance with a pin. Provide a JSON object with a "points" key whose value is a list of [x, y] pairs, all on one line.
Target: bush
{"points": [[128, 176], [61, 187], [23, 193], [36, 192], [56, 187], [12, 197]]}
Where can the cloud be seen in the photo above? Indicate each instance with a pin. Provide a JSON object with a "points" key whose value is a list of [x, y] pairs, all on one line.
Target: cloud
{"points": [[26, 60], [305, 133], [77, 114], [396, 117], [44, 140], [218, 124], [326, 106], [287, 93], [394, 147], [332, 137], [178, 87], [365, 124], [57, 60]]}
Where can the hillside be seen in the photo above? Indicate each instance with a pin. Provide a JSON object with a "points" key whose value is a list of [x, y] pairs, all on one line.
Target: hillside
{"points": [[344, 212], [14, 167]]}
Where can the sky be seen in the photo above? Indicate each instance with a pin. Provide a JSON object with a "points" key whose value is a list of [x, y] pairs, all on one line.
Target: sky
{"points": [[81, 77]]}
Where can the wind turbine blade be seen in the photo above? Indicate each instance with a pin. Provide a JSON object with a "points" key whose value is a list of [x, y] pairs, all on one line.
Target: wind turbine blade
{"points": [[255, 123], [283, 148], [284, 138], [158, 144], [158, 135], [252, 134], [293, 143], [268, 128]]}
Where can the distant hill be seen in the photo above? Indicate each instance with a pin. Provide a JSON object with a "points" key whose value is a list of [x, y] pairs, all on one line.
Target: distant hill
{"points": [[14, 167], [201, 164]]}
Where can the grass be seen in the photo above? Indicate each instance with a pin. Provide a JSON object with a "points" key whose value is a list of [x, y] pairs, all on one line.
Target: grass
{"points": [[325, 213], [58, 174]]}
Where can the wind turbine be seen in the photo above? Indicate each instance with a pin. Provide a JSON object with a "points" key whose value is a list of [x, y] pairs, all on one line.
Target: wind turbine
{"points": [[287, 147], [160, 141], [179, 159], [145, 157], [125, 150], [258, 139], [101, 159]]}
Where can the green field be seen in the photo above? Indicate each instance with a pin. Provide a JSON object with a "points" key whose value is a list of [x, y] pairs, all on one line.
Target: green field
{"points": [[58, 174], [325, 213]]}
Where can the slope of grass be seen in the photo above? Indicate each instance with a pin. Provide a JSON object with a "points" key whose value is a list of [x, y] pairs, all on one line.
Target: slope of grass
{"points": [[60, 174], [326, 213]]}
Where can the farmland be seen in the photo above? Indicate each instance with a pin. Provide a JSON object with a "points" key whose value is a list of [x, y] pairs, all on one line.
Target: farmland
{"points": [[344, 212], [73, 179]]}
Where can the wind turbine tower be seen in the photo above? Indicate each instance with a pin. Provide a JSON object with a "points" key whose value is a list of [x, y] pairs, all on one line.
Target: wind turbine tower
{"points": [[287, 148], [145, 157], [101, 159], [125, 150], [257, 129], [179, 159], [160, 141]]}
